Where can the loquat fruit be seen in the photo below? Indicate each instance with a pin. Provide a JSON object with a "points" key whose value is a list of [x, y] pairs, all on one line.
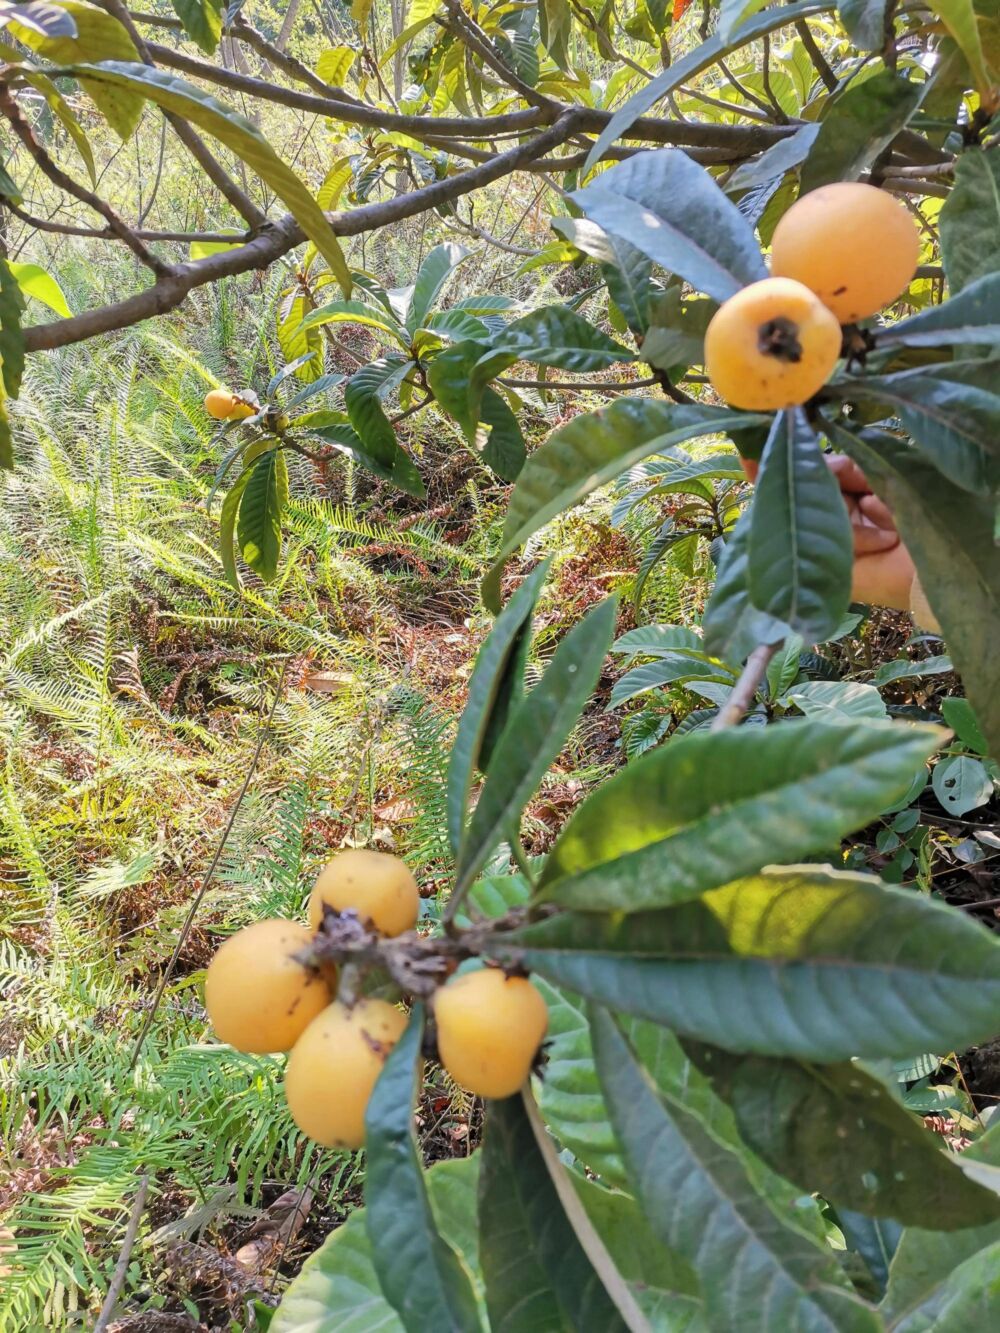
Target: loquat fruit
{"points": [[259, 998], [855, 246], [489, 1029], [379, 887], [770, 346], [219, 403], [334, 1067]]}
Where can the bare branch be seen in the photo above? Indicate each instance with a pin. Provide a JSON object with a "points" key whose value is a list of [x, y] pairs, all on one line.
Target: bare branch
{"points": [[745, 688], [739, 140], [195, 145], [12, 113], [106, 234], [276, 239], [121, 1267]]}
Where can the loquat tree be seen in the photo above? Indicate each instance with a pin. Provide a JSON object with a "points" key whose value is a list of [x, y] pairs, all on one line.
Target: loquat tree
{"points": [[688, 1017]]}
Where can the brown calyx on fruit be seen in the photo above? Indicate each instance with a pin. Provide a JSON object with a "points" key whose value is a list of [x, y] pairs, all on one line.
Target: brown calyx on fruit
{"points": [[779, 338]]}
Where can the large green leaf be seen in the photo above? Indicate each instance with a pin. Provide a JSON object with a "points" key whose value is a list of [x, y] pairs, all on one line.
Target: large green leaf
{"points": [[668, 669], [968, 1298], [434, 272], [495, 685], [65, 114], [265, 499], [361, 397], [959, 17], [837, 1131], [971, 316], [573, 1106], [504, 451], [864, 21], [421, 1275], [99, 36], [550, 336], [538, 1277], [756, 1272], [701, 58], [535, 733], [11, 332], [592, 450], [238, 134], [971, 215], [569, 1094], [662, 1283], [710, 807], [857, 125], [554, 335], [952, 411], [355, 312], [668, 207], [227, 526], [449, 375], [774, 161], [400, 470], [950, 535], [926, 1256], [800, 553], [626, 270], [202, 21], [732, 626], [338, 1290], [42, 16], [297, 340], [803, 961]]}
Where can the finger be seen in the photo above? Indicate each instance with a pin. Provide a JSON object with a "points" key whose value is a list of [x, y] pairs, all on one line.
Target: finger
{"points": [[869, 540], [848, 474], [877, 511]]}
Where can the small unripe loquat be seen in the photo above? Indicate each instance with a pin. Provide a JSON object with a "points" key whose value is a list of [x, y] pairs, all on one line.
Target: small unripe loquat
{"points": [[489, 1029], [259, 998], [334, 1067], [219, 403], [770, 346], [379, 887], [853, 245]]}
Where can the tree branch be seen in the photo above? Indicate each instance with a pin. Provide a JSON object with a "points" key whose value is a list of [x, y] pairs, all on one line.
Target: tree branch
{"points": [[118, 228], [745, 688], [740, 140], [817, 57], [275, 239], [121, 1267], [188, 136]]}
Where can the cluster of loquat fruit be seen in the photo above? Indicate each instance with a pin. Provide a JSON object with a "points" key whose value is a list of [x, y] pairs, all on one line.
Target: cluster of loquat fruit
{"points": [[840, 254], [224, 405], [262, 999]]}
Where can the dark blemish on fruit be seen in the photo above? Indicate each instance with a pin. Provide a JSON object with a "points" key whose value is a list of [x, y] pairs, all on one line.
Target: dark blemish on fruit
{"points": [[839, 291]]}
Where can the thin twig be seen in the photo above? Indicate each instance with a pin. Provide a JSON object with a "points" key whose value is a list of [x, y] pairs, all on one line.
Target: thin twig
{"points": [[168, 971], [121, 1267], [742, 696], [12, 113], [581, 386], [188, 136], [817, 57]]}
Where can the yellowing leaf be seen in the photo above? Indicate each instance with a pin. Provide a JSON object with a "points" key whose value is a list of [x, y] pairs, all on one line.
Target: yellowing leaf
{"points": [[333, 65]]}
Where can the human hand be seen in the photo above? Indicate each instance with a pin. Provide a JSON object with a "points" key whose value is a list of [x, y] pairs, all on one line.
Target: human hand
{"points": [[883, 570]]}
